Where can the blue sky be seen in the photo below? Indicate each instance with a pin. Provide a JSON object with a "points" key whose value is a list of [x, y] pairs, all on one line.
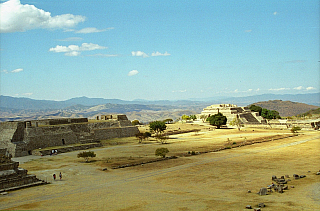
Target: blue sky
{"points": [[158, 50]]}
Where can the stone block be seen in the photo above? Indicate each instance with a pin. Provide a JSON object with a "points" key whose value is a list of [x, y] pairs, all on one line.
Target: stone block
{"points": [[296, 176], [263, 191]]}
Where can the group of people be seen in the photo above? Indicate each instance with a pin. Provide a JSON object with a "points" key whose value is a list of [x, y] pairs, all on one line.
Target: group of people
{"points": [[54, 176], [54, 152]]}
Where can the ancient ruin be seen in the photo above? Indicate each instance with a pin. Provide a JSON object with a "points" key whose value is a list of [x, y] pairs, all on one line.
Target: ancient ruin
{"points": [[20, 138], [232, 111], [12, 177], [253, 119]]}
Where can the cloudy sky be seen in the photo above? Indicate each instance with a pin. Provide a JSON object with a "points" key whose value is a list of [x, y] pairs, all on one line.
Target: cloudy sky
{"points": [[158, 50]]}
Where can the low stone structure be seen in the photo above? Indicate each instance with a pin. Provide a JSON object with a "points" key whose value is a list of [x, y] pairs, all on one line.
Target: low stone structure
{"points": [[20, 138], [306, 124], [232, 111], [253, 119], [12, 177]]}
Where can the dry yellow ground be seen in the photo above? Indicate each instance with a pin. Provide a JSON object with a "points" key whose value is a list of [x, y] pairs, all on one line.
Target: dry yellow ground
{"points": [[212, 181]]}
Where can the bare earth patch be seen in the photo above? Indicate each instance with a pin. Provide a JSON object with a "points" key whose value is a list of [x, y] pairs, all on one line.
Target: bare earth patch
{"points": [[210, 181]]}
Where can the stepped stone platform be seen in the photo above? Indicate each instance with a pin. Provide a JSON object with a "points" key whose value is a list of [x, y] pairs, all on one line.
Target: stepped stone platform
{"points": [[232, 111], [12, 177], [21, 138]]}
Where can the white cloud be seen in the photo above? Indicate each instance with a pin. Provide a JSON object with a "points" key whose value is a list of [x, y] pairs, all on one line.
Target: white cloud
{"points": [[139, 53], [71, 39], [17, 17], [74, 50], [248, 31], [302, 88], [279, 89], [17, 70], [133, 72], [275, 13], [91, 30], [180, 91], [144, 55], [160, 54], [310, 88], [73, 53], [13, 71], [27, 94], [257, 90], [298, 88]]}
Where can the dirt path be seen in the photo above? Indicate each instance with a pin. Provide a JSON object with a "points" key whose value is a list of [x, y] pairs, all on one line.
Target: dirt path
{"points": [[212, 181]]}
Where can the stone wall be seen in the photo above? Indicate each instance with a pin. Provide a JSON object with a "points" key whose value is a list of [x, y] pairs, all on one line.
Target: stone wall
{"points": [[61, 121], [20, 138]]}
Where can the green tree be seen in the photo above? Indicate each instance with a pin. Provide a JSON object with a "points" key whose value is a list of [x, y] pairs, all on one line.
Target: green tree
{"points": [[267, 114], [140, 137], [86, 155], [203, 117], [256, 109], [295, 129], [236, 122], [157, 127], [217, 120], [185, 117], [275, 114], [161, 152], [193, 117], [168, 121], [147, 135], [135, 122], [162, 138]]}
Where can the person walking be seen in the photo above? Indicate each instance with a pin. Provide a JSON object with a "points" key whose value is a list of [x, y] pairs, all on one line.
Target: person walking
{"points": [[60, 175], [54, 176]]}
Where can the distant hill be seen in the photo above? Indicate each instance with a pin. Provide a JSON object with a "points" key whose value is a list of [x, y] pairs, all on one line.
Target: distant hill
{"points": [[286, 108], [311, 112], [14, 108], [27, 103], [310, 99]]}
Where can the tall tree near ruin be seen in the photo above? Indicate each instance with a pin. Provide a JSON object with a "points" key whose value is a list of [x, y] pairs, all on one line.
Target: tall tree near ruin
{"points": [[157, 127], [236, 122], [217, 120]]}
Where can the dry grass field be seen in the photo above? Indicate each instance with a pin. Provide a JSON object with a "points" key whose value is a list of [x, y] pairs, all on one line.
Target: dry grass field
{"points": [[209, 181]]}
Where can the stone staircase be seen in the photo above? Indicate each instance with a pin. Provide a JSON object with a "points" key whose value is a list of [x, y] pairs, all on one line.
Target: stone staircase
{"points": [[13, 178], [248, 117]]}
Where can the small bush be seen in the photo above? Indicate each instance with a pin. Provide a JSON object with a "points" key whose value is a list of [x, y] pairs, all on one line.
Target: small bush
{"points": [[161, 152], [295, 129], [86, 155]]}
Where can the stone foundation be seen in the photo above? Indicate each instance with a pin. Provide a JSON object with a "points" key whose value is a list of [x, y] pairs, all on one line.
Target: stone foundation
{"points": [[21, 138], [12, 177]]}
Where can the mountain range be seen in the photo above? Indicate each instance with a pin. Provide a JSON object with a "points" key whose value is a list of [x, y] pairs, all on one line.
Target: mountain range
{"points": [[13, 108]]}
